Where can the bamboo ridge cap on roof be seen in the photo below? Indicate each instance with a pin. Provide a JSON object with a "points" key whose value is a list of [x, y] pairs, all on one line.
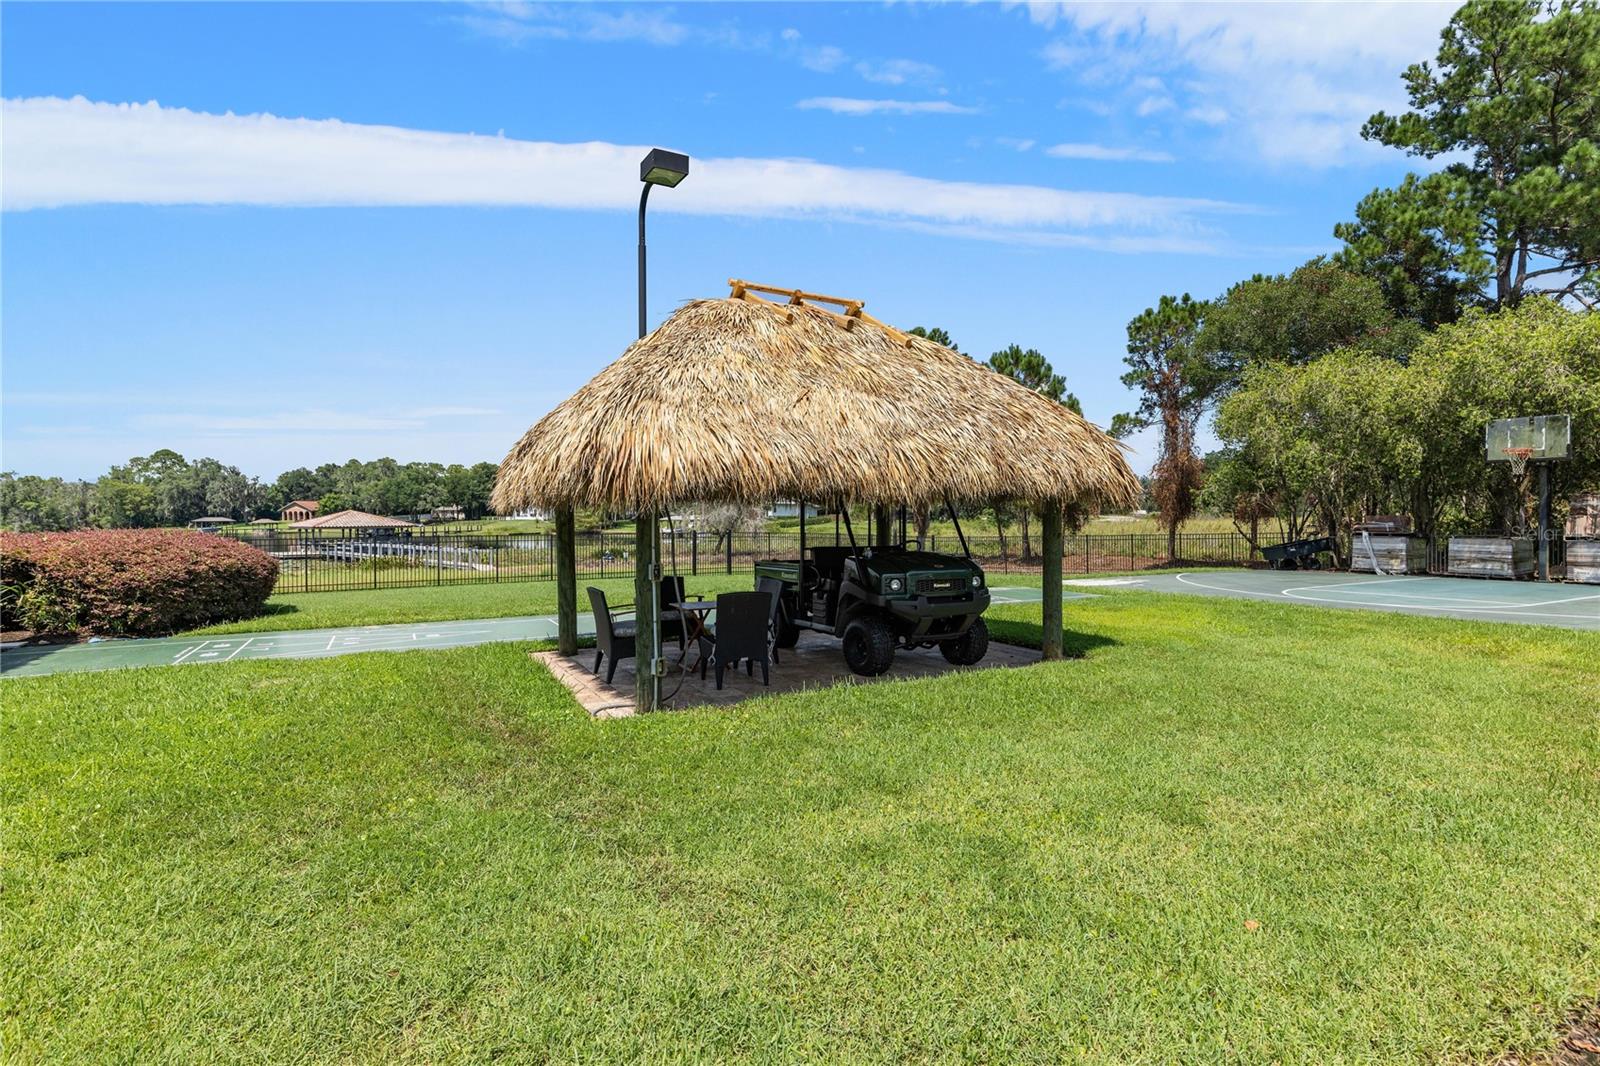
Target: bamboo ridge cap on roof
{"points": [[750, 399], [853, 309]]}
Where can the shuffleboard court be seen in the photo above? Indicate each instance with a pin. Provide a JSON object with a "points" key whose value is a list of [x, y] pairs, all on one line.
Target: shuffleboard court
{"points": [[37, 660], [1475, 599], [32, 661]]}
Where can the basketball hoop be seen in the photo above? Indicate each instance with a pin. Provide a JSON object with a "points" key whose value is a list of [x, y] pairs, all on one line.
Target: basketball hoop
{"points": [[1519, 460]]}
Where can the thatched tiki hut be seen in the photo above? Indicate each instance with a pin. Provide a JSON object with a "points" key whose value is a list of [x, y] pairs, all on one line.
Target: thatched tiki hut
{"points": [[748, 399]]}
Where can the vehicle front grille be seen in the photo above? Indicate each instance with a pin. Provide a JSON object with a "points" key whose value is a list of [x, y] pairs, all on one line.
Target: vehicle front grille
{"points": [[934, 586]]}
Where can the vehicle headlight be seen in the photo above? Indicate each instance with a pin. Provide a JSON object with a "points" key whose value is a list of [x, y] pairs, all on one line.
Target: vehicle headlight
{"points": [[896, 584], [977, 581]]}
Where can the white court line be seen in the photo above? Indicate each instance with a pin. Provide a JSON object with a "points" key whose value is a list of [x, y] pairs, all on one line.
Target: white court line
{"points": [[1344, 584], [190, 652], [1184, 578], [335, 637], [1448, 604], [1431, 596], [239, 649]]}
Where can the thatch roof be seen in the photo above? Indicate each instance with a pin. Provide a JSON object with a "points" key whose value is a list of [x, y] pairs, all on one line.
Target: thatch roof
{"points": [[352, 520], [745, 399]]}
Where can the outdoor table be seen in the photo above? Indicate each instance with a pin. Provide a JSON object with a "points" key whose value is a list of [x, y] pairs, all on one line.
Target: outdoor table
{"points": [[694, 611]]}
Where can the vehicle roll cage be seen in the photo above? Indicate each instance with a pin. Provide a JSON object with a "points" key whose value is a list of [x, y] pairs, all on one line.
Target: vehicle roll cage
{"points": [[844, 512]]}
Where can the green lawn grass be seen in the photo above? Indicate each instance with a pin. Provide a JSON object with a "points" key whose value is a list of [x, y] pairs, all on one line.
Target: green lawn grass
{"points": [[436, 856], [444, 603], [449, 603]]}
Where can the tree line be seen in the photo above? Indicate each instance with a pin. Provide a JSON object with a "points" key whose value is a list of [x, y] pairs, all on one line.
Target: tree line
{"points": [[165, 489], [1361, 382]]}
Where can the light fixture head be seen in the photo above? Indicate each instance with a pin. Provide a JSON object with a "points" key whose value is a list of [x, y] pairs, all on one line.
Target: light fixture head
{"points": [[662, 167]]}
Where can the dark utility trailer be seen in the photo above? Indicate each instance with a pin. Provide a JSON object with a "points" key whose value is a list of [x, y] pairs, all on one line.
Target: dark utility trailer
{"points": [[1299, 554], [880, 598]]}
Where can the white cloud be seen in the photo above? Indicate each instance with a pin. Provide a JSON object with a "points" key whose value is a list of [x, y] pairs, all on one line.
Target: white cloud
{"points": [[320, 421], [1107, 153], [516, 23], [1059, 55], [1152, 105], [1164, 244], [1295, 80], [898, 71], [457, 411], [824, 59], [1021, 144], [67, 152], [844, 105]]}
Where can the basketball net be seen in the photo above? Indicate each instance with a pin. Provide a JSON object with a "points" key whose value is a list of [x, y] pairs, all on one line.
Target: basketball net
{"points": [[1519, 460]]}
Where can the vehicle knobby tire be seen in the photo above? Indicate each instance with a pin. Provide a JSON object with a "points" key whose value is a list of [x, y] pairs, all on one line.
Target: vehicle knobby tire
{"points": [[868, 646], [970, 647]]}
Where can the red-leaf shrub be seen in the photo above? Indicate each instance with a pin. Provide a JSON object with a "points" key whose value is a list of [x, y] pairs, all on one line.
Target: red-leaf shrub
{"points": [[129, 582]]}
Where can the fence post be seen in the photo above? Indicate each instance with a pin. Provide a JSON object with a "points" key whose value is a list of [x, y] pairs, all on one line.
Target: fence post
{"points": [[730, 551], [438, 560], [1130, 552], [694, 552], [1088, 546]]}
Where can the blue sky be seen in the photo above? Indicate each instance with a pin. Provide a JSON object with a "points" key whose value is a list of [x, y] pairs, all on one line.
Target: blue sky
{"points": [[288, 234]]}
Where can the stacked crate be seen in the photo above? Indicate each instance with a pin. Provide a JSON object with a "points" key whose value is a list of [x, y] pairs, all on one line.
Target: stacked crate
{"points": [[1396, 549], [1511, 557], [1583, 539]]}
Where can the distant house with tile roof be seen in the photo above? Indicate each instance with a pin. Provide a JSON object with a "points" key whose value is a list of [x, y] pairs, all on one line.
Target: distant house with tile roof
{"points": [[299, 510]]}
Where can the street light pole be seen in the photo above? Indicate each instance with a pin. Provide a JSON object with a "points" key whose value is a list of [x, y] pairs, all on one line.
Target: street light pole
{"points": [[659, 167], [644, 198]]}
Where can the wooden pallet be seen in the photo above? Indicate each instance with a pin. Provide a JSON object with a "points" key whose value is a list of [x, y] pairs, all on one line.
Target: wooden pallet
{"points": [[1583, 519], [1583, 561], [1396, 554], [1507, 557]]}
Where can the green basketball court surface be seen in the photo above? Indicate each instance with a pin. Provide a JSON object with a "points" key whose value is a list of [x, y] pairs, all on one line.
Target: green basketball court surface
{"points": [[1571, 606]]}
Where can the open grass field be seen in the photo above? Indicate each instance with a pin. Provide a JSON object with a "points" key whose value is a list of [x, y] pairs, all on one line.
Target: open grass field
{"points": [[369, 607], [1367, 838]]}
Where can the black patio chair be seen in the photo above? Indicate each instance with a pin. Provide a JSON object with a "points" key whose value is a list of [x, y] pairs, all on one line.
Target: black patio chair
{"points": [[771, 586], [613, 640], [741, 633], [672, 622]]}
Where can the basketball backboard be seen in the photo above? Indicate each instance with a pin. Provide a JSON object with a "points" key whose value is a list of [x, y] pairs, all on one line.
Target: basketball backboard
{"points": [[1548, 437]]}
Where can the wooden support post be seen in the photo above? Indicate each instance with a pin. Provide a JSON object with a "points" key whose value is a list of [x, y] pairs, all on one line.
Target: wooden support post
{"points": [[646, 587], [566, 582], [880, 525], [1050, 519]]}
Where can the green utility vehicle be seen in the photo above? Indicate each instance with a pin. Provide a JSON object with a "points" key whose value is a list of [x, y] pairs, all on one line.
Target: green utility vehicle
{"points": [[881, 598]]}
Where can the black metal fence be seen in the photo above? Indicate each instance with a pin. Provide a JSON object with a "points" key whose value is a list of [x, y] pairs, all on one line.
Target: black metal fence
{"points": [[331, 561]]}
